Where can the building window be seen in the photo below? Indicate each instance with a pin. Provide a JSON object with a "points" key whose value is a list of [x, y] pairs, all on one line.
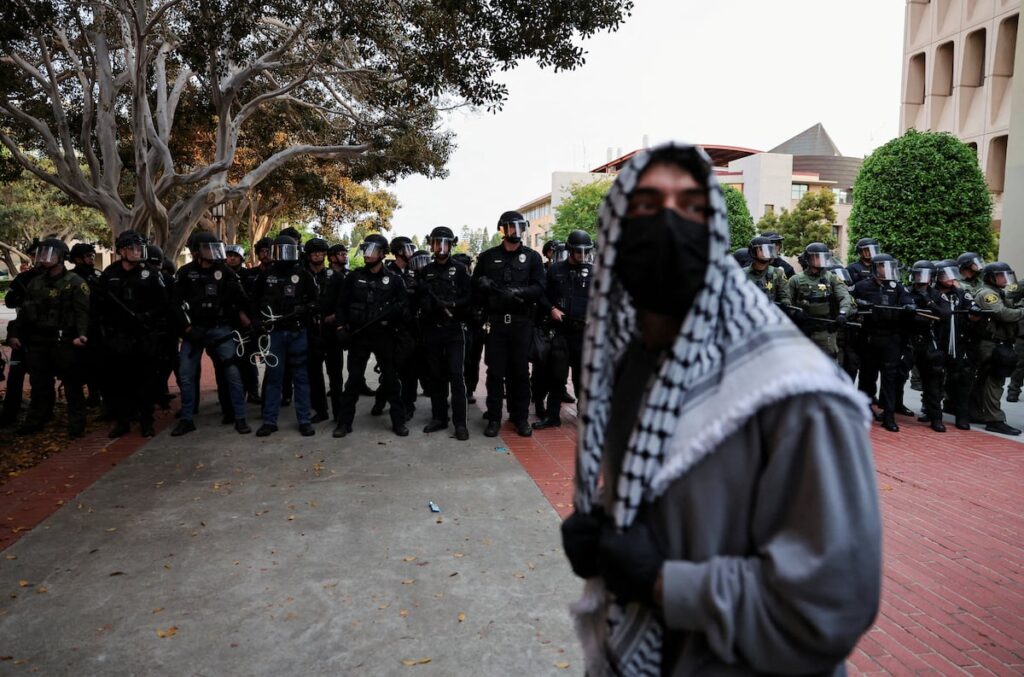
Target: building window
{"points": [[798, 191], [769, 209], [837, 232], [842, 197]]}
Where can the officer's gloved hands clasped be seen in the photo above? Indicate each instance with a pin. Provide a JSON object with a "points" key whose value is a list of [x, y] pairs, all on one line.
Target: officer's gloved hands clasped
{"points": [[580, 536], [630, 562], [486, 283], [909, 310], [841, 319]]}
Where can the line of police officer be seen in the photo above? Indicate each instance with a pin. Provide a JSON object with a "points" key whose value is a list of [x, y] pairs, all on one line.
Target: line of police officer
{"points": [[958, 326], [124, 330]]}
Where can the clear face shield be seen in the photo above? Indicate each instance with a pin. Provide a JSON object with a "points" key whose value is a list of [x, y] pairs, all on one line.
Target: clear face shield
{"points": [[135, 253], [406, 251], [560, 254], [922, 276], [371, 250], [885, 270], [1004, 278], [581, 254], [817, 259], [869, 251], [947, 274], [776, 248], [513, 230], [762, 252], [49, 256], [212, 251], [975, 264], [418, 262], [236, 250], [844, 275], [441, 246], [285, 252]]}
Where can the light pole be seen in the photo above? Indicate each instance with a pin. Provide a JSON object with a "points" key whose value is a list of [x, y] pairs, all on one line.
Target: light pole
{"points": [[217, 212]]}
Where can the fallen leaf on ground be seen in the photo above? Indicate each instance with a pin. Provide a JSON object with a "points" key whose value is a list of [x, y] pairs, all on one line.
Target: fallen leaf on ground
{"points": [[117, 573], [41, 589], [462, 617], [409, 581], [112, 529], [458, 555], [439, 595], [404, 613], [520, 575], [158, 609], [409, 662], [23, 583], [531, 566], [561, 665], [409, 559], [10, 557], [385, 606], [291, 518], [169, 632], [236, 562]]}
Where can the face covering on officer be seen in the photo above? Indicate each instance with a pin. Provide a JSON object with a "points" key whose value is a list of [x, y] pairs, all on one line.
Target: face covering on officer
{"points": [[661, 260]]}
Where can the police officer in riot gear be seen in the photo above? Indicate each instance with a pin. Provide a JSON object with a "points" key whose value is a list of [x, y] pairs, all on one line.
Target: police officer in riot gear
{"points": [[337, 258], [322, 337], [475, 336], [131, 304], [210, 303], [820, 301], [550, 252], [928, 358], [887, 307], [769, 278], [847, 336], [568, 290], [262, 251], [743, 256], [15, 298], [866, 247], [954, 337], [442, 297], [509, 280], [83, 258], [284, 298], [164, 338], [52, 327], [371, 304], [408, 351], [994, 355], [970, 265]]}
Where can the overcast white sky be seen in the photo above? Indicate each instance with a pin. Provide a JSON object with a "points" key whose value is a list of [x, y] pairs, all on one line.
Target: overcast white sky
{"points": [[734, 72]]}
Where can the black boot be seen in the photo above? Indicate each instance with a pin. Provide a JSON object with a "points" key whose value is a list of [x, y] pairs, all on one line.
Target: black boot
{"points": [[120, 428], [523, 429], [543, 424], [266, 430], [184, 426], [341, 430], [1002, 428], [492, 428], [938, 426], [435, 425], [889, 423], [241, 427], [461, 433]]}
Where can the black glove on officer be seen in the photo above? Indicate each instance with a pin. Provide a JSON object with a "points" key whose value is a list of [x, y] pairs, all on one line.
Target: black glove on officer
{"points": [[580, 536], [630, 562], [909, 310]]}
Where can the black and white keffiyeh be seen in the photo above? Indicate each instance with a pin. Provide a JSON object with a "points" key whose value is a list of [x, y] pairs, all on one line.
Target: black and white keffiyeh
{"points": [[702, 393]]}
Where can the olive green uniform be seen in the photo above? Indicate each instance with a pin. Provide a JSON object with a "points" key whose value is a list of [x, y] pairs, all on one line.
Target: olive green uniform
{"points": [[972, 286], [820, 297], [1015, 293], [55, 313], [992, 352], [772, 281]]}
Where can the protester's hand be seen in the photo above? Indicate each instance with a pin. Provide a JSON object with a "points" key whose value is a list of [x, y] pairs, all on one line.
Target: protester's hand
{"points": [[557, 314], [580, 536], [630, 562], [79, 342], [14, 343]]}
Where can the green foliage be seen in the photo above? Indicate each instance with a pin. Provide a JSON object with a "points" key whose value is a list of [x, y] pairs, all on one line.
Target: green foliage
{"points": [[579, 211], [810, 221], [475, 240], [923, 196], [741, 224]]}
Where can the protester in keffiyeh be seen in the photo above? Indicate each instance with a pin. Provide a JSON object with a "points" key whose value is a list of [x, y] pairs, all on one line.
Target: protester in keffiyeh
{"points": [[726, 509]]}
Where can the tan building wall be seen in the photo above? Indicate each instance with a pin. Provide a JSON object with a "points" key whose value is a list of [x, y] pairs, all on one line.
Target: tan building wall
{"points": [[958, 77], [1011, 243]]}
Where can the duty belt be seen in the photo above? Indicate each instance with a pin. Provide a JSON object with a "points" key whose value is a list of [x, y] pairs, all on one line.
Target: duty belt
{"points": [[507, 318]]}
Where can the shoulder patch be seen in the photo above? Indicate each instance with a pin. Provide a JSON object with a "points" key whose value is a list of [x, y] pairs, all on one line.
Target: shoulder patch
{"points": [[990, 298], [85, 288]]}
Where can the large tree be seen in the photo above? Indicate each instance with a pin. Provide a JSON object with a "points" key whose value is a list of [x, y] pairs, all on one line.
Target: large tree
{"points": [[579, 210], [811, 220], [103, 83], [923, 196], [741, 224]]}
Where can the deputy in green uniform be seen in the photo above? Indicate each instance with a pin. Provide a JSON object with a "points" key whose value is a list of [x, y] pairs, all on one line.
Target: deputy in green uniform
{"points": [[970, 265], [770, 279], [820, 301], [995, 357], [52, 327]]}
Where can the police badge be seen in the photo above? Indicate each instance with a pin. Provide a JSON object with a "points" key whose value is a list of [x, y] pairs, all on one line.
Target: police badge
{"points": [[295, 279], [522, 258], [217, 275]]}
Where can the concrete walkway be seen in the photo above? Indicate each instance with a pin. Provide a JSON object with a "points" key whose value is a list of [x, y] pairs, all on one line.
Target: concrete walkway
{"points": [[220, 554]]}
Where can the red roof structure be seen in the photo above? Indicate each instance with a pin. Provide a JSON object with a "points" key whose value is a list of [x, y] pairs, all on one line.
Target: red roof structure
{"points": [[720, 156]]}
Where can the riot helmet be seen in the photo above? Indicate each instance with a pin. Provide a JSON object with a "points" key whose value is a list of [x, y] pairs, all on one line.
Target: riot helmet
{"points": [[922, 272], [512, 226], [336, 249], [293, 233], [816, 255], [884, 268], [51, 252], [374, 247], [442, 240], [403, 248], [207, 247], [761, 249], [285, 249], [549, 248], [947, 272], [999, 274], [419, 260], [867, 248], [839, 270], [316, 244], [464, 259], [131, 246], [154, 255], [776, 241], [580, 245], [970, 261], [80, 250], [235, 255]]}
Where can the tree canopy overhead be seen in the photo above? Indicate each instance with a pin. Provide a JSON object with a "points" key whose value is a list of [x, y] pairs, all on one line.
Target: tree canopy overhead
{"points": [[923, 196], [141, 107]]}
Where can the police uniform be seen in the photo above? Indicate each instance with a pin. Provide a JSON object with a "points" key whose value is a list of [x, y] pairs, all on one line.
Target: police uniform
{"points": [[442, 296], [129, 303], [323, 345], [408, 347], [568, 289], [821, 298], [285, 297], [208, 301], [953, 336], [884, 340], [16, 372], [93, 369], [859, 271], [928, 357], [994, 355], [246, 365], [772, 281], [371, 307], [55, 312], [508, 284]]}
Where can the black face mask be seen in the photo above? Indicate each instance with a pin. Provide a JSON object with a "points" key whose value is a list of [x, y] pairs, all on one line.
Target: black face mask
{"points": [[661, 261]]}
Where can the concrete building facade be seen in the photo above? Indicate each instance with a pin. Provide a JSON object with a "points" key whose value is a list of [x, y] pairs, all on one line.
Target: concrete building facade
{"points": [[959, 60]]}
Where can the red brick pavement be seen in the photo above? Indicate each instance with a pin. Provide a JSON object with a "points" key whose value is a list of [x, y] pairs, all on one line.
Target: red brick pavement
{"points": [[953, 517]]}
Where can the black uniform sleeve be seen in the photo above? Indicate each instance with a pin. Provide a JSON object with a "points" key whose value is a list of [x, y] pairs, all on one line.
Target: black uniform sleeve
{"points": [[344, 294], [235, 298], [463, 289], [534, 291], [551, 290]]}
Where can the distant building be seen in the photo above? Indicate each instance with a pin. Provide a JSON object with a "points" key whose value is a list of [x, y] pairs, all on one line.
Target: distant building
{"points": [[959, 58]]}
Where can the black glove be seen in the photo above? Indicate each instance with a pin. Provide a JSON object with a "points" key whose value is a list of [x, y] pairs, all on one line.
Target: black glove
{"points": [[909, 310], [630, 562], [486, 283], [580, 536], [841, 319], [796, 314], [864, 304]]}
